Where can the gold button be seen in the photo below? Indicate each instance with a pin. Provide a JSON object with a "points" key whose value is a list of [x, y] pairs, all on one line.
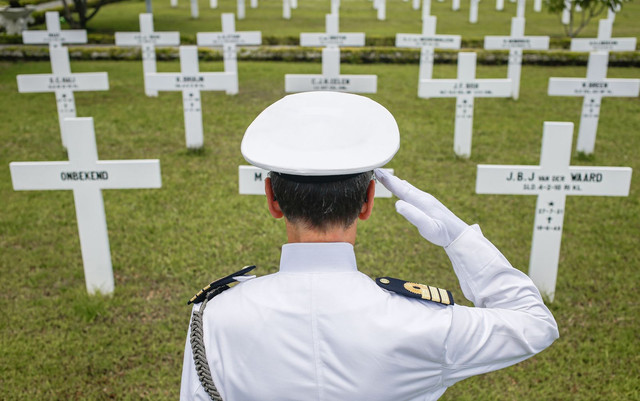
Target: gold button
{"points": [[384, 281]]}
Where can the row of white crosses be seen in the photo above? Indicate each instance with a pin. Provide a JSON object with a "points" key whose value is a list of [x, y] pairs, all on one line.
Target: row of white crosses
{"points": [[427, 42], [61, 81], [551, 181], [596, 85], [190, 81], [87, 176], [287, 5], [83, 173], [516, 43], [147, 39], [537, 5], [331, 79], [240, 6], [229, 40]]}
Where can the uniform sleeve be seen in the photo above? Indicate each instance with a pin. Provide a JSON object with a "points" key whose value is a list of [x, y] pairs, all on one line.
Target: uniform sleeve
{"points": [[190, 387], [510, 321]]}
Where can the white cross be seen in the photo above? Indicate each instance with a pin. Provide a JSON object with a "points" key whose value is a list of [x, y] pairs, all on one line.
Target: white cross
{"points": [[241, 9], [53, 35], [593, 88], [195, 12], [286, 9], [331, 79], [520, 9], [426, 11], [251, 182], [190, 81], [537, 5], [147, 39], [473, 11], [611, 14], [604, 42], [427, 42], [464, 89], [381, 7], [228, 39], [335, 6], [87, 176], [63, 83], [516, 43], [551, 181], [566, 12]]}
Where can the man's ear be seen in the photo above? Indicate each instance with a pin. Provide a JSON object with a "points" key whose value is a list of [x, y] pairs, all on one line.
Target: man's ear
{"points": [[367, 208], [274, 207]]}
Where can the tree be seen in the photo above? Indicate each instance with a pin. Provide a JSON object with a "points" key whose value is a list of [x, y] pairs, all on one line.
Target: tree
{"points": [[580, 12], [84, 10]]}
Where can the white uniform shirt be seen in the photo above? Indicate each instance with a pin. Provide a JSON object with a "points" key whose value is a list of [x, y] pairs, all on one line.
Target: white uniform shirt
{"points": [[321, 330]]}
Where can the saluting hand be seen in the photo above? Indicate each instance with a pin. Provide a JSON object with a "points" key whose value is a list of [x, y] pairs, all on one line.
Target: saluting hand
{"points": [[434, 221]]}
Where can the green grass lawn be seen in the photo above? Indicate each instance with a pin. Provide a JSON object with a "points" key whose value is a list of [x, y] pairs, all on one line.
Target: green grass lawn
{"points": [[355, 16], [56, 342]]}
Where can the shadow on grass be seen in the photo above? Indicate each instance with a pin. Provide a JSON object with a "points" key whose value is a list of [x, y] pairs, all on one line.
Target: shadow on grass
{"points": [[196, 151]]}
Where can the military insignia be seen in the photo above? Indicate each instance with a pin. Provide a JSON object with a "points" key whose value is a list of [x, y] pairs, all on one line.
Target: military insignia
{"points": [[415, 290], [219, 283]]}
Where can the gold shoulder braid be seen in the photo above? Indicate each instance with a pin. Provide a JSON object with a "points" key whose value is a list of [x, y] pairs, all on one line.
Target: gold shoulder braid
{"points": [[415, 290], [197, 334]]}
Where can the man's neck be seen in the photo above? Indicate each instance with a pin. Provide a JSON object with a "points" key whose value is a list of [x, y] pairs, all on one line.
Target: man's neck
{"points": [[301, 233]]}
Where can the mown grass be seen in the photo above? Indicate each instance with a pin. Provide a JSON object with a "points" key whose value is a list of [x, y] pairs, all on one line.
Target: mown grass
{"points": [[56, 342], [355, 16]]}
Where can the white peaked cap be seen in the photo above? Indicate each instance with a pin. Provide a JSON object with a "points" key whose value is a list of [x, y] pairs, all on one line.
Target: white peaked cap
{"points": [[322, 133]]}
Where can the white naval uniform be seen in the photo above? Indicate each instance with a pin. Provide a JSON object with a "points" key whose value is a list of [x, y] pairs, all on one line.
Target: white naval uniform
{"points": [[321, 330]]}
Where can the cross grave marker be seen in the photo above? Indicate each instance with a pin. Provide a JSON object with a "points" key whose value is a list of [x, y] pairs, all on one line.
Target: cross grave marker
{"points": [[604, 42], [54, 36], [381, 7], [593, 88], [63, 83], [229, 39], [552, 181], [147, 39], [195, 12], [516, 43], [190, 81], [473, 11], [87, 176], [465, 88], [427, 42], [331, 79]]}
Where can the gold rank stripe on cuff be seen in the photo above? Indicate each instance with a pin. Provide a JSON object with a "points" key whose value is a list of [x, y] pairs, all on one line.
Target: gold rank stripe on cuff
{"points": [[415, 290]]}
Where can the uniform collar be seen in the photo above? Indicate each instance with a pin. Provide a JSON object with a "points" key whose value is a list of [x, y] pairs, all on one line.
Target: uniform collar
{"points": [[317, 257]]}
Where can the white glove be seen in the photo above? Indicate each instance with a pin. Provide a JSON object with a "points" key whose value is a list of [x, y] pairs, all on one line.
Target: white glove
{"points": [[434, 221]]}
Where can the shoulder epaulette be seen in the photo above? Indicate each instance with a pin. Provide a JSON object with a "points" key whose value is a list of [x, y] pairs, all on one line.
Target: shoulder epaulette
{"points": [[415, 290], [218, 284]]}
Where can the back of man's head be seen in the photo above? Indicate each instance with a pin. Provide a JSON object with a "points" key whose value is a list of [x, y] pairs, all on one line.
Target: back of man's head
{"points": [[321, 203]]}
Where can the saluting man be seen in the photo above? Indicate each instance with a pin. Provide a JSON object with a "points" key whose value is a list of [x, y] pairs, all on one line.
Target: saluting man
{"points": [[319, 329]]}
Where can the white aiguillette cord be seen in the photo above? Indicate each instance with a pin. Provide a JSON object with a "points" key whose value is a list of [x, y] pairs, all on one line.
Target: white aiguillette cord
{"points": [[197, 333]]}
